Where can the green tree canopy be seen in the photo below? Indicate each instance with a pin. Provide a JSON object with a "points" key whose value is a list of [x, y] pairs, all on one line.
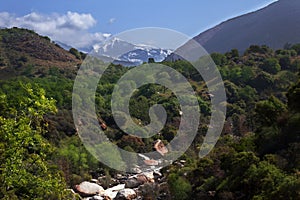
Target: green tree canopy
{"points": [[26, 172]]}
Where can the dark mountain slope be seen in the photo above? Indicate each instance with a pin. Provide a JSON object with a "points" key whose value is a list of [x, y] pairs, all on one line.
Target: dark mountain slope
{"points": [[274, 26]]}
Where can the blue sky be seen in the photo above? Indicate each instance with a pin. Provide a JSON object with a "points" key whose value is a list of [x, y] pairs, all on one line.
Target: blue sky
{"points": [[97, 17]]}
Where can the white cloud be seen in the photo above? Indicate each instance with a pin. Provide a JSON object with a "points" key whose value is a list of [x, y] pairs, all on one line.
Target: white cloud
{"points": [[106, 35], [112, 20], [74, 20], [71, 28]]}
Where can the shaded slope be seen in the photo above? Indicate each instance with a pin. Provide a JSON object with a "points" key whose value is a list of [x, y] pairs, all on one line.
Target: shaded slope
{"points": [[274, 26]]}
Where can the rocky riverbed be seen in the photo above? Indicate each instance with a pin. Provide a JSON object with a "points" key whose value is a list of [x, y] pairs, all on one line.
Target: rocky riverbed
{"points": [[145, 185], [146, 182]]}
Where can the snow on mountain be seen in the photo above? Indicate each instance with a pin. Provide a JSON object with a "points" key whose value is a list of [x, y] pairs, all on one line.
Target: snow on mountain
{"points": [[125, 53]]}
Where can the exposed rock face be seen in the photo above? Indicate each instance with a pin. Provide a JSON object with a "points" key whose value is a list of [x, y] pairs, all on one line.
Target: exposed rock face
{"points": [[136, 170], [96, 197], [86, 189], [132, 183], [148, 175], [139, 179], [111, 193], [143, 156], [126, 194], [151, 162], [160, 147]]}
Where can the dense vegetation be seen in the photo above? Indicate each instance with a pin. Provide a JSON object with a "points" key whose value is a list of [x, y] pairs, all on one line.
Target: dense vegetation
{"points": [[257, 156]]}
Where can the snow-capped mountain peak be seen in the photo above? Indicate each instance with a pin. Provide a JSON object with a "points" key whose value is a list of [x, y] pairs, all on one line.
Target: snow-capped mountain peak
{"points": [[126, 53]]}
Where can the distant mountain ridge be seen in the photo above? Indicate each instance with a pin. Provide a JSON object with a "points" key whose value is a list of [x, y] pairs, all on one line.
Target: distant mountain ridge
{"points": [[122, 52], [274, 26]]}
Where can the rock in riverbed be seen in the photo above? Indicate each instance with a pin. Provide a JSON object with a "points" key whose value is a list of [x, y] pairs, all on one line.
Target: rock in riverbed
{"points": [[126, 194], [86, 189]]}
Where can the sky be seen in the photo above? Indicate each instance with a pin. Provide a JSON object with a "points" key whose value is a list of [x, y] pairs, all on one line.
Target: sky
{"points": [[80, 23]]}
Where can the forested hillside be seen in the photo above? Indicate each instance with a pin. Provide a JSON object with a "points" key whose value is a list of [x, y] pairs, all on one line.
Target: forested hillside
{"points": [[257, 156]]}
